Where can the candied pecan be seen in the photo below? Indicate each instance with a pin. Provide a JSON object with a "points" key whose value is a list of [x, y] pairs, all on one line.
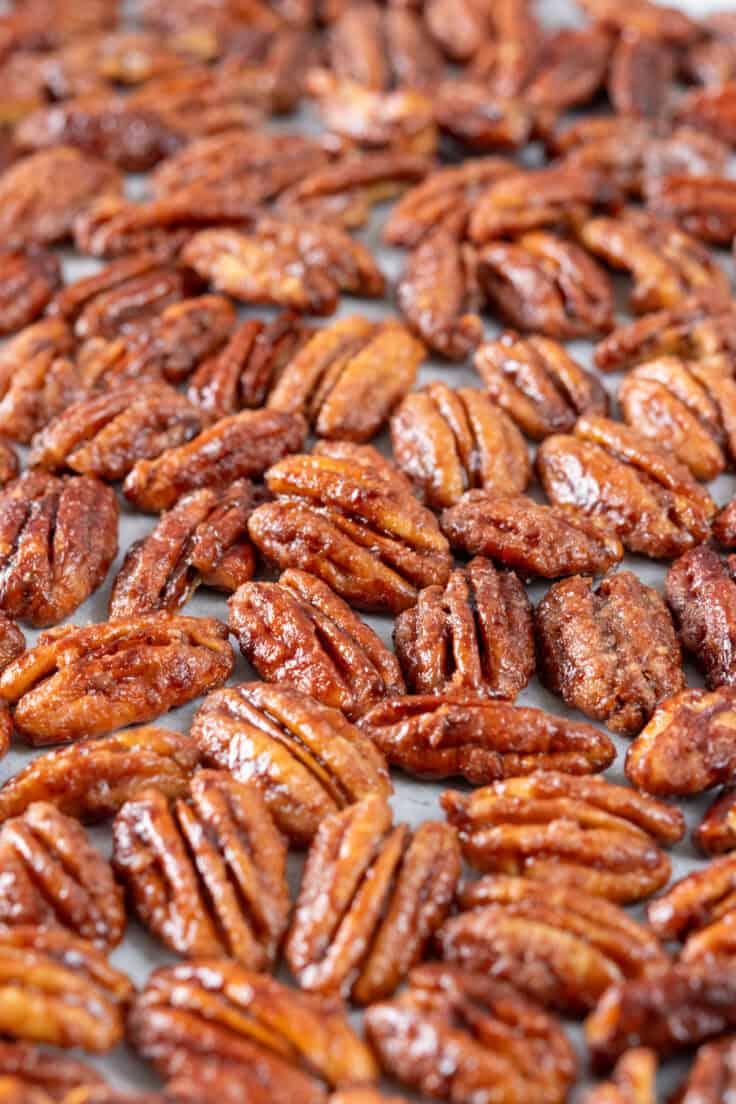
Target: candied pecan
{"points": [[93, 778], [704, 206], [644, 18], [556, 944], [306, 758], [611, 652], [9, 463], [710, 1078], [570, 68], [580, 832], [539, 385], [58, 537], [474, 637], [401, 120], [471, 114], [52, 875], [356, 526], [387, 894], [711, 110], [91, 680], [36, 379], [716, 833], [28, 280], [12, 641], [481, 1040], [633, 1080], [695, 330], [347, 378], [701, 592], [241, 446], [450, 441], [532, 539], [50, 1072], [435, 736], [640, 76], [612, 471], [108, 312], [143, 272], [206, 875], [724, 525], [299, 633], [696, 903]]}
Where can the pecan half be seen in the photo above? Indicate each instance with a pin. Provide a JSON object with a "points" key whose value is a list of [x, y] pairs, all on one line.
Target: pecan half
{"points": [[28, 280], [570, 69], [387, 894], [724, 525], [471, 114], [241, 446], [692, 331], [640, 76], [711, 1075], [610, 471], [697, 903], [701, 592], [575, 831], [633, 1080], [52, 875], [49, 1072], [434, 736], [12, 641], [88, 681], [704, 206], [307, 759], [611, 652], [36, 379], [712, 110], [716, 833]]}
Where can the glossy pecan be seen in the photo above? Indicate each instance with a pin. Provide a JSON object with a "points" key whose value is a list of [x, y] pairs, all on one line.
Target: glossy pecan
{"points": [[88, 681], [696, 903], [55, 1074], [613, 472], [29, 279], [36, 379], [387, 893], [399, 120], [701, 592], [643, 17], [307, 759], [611, 652], [711, 1075], [633, 1080], [434, 736], [52, 875], [451, 441], [693, 331], [640, 76], [712, 110], [704, 206], [580, 832], [237, 447], [91, 779], [724, 525], [466, 110], [716, 832], [481, 1040], [532, 539], [12, 641]]}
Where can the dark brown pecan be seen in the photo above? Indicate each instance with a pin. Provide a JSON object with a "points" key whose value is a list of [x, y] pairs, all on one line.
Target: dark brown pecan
{"points": [[710, 1078], [576, 831], [435, 736], [467, 111], [450, 441], [704, 206], [29, 279], [52, 875], [238, 447], [387, 894], [611, 652], [279, 1041], [633, 1080], [642, 17], [356, 526], [306, 758], [640, 76], [203, 539], [36, 379], [712, 110], [716, 833], [556, 944], [538, 383], [481, 1040], [611, 471], [701, 592], [45, 1072], [206, 875], [298, 632], [534, 540], [58, 537], [347, 378], [402, 120], [698, 902], [692, 331], [93, 778], [474, 637], [88, 681]]}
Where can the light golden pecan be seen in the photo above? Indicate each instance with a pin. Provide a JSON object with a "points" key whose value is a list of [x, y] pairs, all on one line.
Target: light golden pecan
{"points": [[539, 385], [697, 903], [29, 279], [298, 632], [481, 1040], [50, 1074], [633, 1080], [206, 874], [640, 76], [307, 759], [372, 897], [451, 441], [693, 331], [435, 736], [87, 681], [611, 652], [712, 110], [613, 472], [36, 379], [402, 120], [576, 831], [701, 592], [642, 17], [240, 446], [557, 945], [704, 206], [716, 833], [470, 114]]}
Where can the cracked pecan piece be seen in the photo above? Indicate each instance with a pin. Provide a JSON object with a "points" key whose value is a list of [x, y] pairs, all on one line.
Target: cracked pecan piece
{"points": [[347, 378], [472, 637], [613, 472], [640, 76], [202, 540], [28, 280], [451, 441], [299, 633], [532, 539], [716, 832], [92, 779], [241, 446], [388, 892], [633, 1080], [88, 681], [433, 736], [611, 652], [58, 538], [25, 1067], [711, 110], [52, 875], [307, 759], [401, 120], [701, 592], [581, 832], [694, 331], [37, 380], [206, 874], [539, 385], [481, 1040]]}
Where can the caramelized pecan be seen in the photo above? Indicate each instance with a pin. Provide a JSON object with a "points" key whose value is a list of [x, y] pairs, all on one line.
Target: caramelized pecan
{"points": [[717, 831], [570, 68], [633, 1080], [106, 306], [640, 76], [12, 641], [9, 463], [710, 1078], [36, 379], [645, 18], [509, 28], [696, 903], [471, 114], [692, 331], [28, 279], [724, 525], [701, 592], [704, 206], [49, 1072], [712, 110]]}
